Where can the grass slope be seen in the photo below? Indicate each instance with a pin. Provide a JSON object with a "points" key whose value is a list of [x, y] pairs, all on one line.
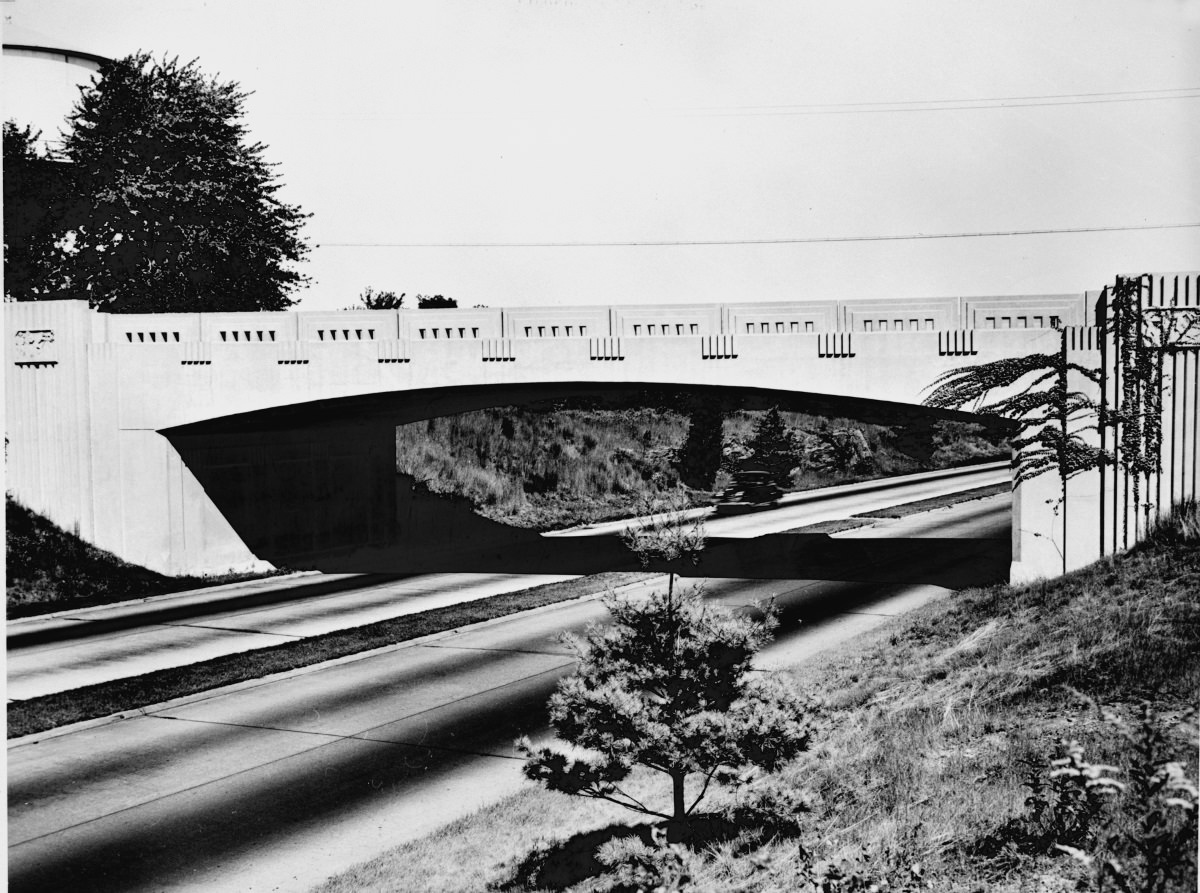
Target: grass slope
{"points": [[927, 736], [49, 569]]}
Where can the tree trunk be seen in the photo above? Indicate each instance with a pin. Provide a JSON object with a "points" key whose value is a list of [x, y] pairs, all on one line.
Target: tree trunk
{"points": [[680, 804]]}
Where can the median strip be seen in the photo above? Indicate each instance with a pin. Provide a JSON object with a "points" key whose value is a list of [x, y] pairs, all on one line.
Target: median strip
{"points": [[120, 695]]}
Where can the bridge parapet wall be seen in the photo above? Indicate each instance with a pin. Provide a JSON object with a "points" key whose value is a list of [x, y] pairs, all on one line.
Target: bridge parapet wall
{"points": [[166, 385], [674, 320]]}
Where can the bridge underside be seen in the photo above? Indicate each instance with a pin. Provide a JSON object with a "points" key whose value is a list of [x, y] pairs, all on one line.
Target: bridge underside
{"points": [[315, 486]]}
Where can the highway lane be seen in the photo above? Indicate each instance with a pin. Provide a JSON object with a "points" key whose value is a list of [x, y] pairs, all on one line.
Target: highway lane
{"points": [[276, 784], [88, 646], [829, 503]]}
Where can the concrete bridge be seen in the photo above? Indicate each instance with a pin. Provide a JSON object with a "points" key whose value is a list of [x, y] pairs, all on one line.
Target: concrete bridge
{"points": [[207, 442]]}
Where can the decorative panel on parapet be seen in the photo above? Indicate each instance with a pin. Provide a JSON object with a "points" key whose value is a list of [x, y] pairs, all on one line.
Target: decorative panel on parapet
{"points": [[901, 315], [247, 328], [151, 328], [556, 322], [451, 324], [667, 320], [1025, 311], [34, 347], [348, 326], [782, 318]]}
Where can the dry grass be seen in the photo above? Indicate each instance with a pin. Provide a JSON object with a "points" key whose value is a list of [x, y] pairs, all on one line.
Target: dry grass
{"points": [[544, 469], [561, 468], [928, 726]]}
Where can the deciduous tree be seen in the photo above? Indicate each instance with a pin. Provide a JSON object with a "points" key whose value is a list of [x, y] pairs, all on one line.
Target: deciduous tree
{"points": [[435, 302], [35, 186], [171, 207], [370, 299]]}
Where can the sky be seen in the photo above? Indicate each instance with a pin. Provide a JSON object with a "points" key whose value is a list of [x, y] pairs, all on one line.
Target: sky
{"points": [[533, 152]]}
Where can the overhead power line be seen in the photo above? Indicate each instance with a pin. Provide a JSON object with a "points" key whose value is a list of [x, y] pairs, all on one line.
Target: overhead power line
{"points": [[808, 240], [1047, 96], [830, 108], [947, 105]]}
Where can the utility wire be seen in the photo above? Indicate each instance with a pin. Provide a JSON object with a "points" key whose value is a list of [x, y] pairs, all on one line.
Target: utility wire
{"points": [[947, 105], [943, 101], [844, 108], [796, 241]]}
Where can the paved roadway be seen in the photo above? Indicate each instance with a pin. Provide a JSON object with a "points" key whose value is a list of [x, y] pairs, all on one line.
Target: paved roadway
{"points": [[84, 647], [273, 785]]}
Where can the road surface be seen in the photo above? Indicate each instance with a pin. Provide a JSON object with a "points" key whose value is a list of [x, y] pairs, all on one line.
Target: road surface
{"points": [[84, 647], [274, 785]]}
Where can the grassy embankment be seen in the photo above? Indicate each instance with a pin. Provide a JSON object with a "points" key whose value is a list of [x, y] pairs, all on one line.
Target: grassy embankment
{"points": [[49, 569], [555, 469], [918, 776]]}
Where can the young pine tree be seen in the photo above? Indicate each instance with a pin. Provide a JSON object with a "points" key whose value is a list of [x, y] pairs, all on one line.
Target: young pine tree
{"points": [[774, 446], [667, 687]]}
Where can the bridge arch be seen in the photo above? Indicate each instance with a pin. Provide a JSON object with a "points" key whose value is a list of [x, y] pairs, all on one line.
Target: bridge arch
{"points": [[315, 485]]}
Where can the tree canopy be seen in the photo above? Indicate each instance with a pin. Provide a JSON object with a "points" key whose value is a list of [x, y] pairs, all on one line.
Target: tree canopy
{"points": [[435, 302], [370, 299], [699, 457], [35, 187], [774, 446], [168, 206]]}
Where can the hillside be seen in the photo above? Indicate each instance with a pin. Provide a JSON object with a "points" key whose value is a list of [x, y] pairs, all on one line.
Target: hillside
{"points": [[931, 768], [50, 569], [557, 468]]}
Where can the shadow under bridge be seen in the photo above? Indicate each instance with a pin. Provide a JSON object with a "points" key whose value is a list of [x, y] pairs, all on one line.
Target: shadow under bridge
{"points": [[315, 486]]}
